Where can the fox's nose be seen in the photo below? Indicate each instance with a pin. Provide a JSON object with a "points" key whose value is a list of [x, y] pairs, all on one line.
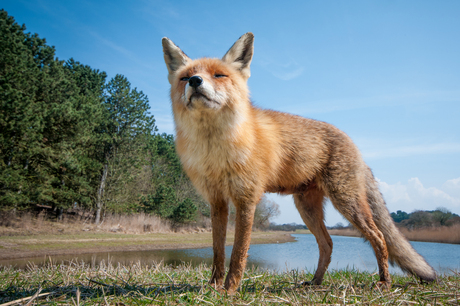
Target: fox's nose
{"points": [[195, 81]]}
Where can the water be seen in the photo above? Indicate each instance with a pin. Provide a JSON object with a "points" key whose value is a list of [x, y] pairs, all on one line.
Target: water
{"points": [[348, 252]]}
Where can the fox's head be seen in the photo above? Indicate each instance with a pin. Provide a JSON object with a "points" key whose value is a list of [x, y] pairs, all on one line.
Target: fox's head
{"points": [[209, 85]]}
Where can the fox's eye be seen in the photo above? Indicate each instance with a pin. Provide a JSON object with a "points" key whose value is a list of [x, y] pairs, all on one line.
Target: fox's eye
{"points": [[185, 79], [219, 75]]}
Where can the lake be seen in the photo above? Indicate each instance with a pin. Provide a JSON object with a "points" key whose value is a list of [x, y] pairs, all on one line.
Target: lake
{"points": [[303, 254]]}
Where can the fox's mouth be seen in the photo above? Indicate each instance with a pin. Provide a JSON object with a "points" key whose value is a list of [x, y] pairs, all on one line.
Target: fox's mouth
{"points": [[199, 95]]}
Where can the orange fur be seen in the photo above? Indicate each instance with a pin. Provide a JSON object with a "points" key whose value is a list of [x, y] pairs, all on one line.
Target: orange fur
{"points": [[234, 151]]}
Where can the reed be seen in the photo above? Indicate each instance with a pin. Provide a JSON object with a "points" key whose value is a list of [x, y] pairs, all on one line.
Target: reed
{"points": [[77, 283], [29, 223], [441, 234], [135, 223], [349, 231]]}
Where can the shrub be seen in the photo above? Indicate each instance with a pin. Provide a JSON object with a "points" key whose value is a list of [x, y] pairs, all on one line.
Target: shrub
{"points": [[184, 212]]}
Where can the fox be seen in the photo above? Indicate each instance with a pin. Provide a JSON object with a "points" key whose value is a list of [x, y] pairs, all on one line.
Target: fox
{"points": [[233, 151]]}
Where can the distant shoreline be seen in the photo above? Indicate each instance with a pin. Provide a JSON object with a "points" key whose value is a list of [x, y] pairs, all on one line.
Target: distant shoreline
{"points": [[24, 246], [441, 234]]}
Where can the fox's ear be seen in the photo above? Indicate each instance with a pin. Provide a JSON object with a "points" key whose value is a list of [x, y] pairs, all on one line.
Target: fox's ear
{"points": [[174, 57], [240, 54]]}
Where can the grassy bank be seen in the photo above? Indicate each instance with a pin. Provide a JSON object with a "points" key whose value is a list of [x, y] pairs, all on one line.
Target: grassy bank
{"points": [[79, 284], [30, 236], [93, 242], [441, 234]]}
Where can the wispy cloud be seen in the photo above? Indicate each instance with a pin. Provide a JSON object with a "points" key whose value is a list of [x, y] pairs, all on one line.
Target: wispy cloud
{"points": [[112, 45], [162, 10], [288, 75], [285, 71], [127, 53]]}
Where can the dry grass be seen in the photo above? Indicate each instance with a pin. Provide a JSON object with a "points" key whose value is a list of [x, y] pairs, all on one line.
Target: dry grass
{"points": [[156, 284], [351, 232], [27, 223], [441, 234], [135, 224]]}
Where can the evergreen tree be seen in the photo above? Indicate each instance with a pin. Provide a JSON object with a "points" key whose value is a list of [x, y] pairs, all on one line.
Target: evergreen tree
{"points": [[19, 122], [69, 138], [48, 116], [70, 114], [167, 170], [162, 203], [128, 126], [184, 212], [90, 99]]}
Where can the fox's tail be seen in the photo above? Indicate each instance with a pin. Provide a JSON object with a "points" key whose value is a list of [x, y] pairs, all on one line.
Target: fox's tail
{"points": [[399, 249]]}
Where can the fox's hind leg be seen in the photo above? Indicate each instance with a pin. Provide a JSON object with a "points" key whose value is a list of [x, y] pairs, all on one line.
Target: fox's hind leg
{"points": [[356, 209], [310, 207]]}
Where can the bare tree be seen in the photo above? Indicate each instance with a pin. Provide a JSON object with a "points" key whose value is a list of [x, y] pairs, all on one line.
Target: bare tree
{"points": [[265, 211]]}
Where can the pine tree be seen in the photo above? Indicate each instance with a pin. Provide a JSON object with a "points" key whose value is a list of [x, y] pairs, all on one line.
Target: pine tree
{"points": [[128, 129], [69, 138], [167, 170], [163, 203], [90, 102], [184, 212], [48, 118], [20, 123]]}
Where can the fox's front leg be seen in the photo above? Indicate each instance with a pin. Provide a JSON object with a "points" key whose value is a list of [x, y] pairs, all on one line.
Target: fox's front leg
{"points": [[219, 219], [243, 226]]}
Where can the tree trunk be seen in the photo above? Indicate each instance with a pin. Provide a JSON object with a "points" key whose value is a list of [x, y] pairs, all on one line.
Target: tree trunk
{"points": [[59, 213], [100, 193]]}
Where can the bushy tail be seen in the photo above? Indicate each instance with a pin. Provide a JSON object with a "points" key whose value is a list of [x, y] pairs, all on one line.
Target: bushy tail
{"points": [[399, 249]]}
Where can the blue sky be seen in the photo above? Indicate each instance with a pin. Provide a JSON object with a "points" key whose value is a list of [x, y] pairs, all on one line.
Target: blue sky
{"points": [[385, 72]]}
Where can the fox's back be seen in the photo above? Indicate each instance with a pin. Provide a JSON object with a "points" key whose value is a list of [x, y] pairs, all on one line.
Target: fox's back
{"points": [[305, 148]]}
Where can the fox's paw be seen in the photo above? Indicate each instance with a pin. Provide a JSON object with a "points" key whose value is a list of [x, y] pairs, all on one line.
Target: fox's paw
{"points": [[313, 282], [231, 285], [216, 284], [382, 285]]}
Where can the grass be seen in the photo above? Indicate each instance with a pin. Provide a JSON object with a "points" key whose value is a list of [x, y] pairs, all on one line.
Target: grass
{"points": [[27, 223], [105, 284]]}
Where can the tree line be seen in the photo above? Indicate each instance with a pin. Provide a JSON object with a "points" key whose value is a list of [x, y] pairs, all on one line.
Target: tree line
{"points": [[425, 218], [416, 219], [72, 138]]}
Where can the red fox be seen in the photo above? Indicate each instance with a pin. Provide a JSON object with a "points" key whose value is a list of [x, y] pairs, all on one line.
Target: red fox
{"points": [[234, 151]]}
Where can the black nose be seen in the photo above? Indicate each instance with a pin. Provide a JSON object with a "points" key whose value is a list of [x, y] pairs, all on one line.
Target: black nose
{"points": [[195, 81]]}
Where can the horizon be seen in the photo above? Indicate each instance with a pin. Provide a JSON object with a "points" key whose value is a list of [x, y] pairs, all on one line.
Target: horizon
{"points": [[384, 73]]}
